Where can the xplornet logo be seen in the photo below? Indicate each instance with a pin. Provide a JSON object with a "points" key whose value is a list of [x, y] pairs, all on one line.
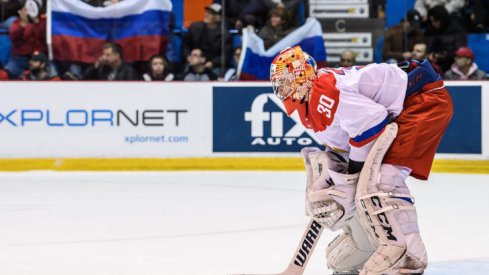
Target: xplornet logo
{"points": [[278, 136], [91, 118]]}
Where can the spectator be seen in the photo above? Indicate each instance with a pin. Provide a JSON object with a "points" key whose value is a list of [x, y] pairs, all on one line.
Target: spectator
{"points": [[453, 7], [197, 71], [464, 67], [110, 66], [443, 37], [278, 26], [231, 73], [38, 68], [347, 59], [158, 69], [400, 39], [420, 51], [207, 36], [28, 34], [481, 15]]}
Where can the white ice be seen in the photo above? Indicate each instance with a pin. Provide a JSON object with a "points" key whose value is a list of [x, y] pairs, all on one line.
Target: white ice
{"points": [[180, 223]]}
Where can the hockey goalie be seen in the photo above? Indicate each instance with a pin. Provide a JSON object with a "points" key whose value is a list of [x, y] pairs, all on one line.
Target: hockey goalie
{"points": [[357, 185]]}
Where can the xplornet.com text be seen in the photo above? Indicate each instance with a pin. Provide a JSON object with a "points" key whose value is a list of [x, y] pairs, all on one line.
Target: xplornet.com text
{"points": [[155, 139]]}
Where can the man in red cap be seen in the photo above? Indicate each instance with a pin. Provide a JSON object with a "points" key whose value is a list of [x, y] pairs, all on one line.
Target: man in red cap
{"points": [[38, 68], [464, 67]]}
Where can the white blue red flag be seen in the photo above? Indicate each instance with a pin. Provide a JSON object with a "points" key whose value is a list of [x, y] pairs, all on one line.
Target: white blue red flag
{"points": [[78, 30], [255, 64]]}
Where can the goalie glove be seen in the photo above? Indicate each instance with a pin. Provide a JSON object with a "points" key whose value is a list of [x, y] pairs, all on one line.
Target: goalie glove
{"points": [[333, 205], [330, 193]]}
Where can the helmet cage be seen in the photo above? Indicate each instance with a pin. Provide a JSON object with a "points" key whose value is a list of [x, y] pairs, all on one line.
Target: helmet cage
{"points": [[292, 71]]}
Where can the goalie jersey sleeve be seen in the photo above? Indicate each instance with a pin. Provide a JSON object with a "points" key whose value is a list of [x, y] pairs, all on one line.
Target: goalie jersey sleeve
{"points": [[351, 106]]}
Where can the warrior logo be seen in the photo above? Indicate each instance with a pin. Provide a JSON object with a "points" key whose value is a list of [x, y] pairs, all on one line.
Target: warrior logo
{"points": [[307, 244]]}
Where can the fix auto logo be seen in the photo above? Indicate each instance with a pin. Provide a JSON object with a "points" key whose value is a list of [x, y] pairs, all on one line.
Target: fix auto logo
{"points": [[259, 119]]}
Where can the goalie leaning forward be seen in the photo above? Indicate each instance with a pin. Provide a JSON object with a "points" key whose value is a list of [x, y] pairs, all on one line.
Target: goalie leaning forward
{"points": [[348, 109]]}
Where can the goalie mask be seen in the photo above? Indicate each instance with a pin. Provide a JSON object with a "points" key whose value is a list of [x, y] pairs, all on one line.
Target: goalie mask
{"points": [[292, 71]]}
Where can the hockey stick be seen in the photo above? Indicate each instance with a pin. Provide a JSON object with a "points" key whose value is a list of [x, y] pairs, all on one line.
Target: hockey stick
{"points": [[306, 246]]}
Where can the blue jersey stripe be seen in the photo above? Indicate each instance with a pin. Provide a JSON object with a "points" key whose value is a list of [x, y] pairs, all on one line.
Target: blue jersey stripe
{"points": [[371, 132]]}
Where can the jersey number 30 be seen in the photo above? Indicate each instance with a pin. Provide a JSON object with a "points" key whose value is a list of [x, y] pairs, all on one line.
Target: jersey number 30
{"points": [[325, 105]]}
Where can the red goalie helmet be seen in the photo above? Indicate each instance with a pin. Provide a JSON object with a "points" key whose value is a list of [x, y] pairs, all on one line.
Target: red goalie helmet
{"points": [[292, 71]]}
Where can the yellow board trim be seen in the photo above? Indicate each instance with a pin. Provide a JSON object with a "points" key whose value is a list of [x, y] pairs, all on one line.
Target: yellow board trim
{"points": [[172, 164]]}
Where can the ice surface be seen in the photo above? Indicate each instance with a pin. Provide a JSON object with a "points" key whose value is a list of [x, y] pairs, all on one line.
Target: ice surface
{"points": [[180, 223]]}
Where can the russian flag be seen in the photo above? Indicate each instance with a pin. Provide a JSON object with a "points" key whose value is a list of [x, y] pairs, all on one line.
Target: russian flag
{"points": [[255, 61], [78, 30]]}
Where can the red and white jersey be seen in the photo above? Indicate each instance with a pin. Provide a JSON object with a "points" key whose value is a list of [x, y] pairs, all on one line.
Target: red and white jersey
{"points": [[349, 107]]}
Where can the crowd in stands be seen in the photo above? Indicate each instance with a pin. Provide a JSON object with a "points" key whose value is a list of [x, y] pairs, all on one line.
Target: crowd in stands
{"points": [[437, 30], [434, 29]]}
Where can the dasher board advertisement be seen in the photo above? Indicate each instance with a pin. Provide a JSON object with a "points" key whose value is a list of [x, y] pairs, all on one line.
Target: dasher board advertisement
{"points": [[102, 119]]}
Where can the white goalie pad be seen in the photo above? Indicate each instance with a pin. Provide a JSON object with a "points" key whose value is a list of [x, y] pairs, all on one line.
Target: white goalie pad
{"points": [[349, 251], [370, 174], [386, 212]]}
